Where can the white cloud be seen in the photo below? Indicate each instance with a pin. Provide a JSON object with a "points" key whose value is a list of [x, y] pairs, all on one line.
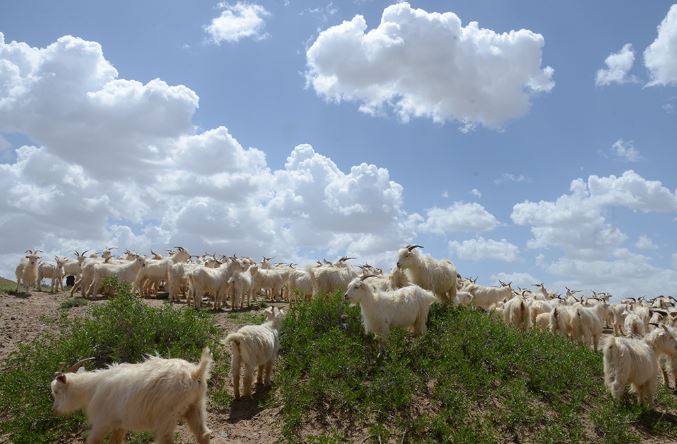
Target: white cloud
{"points": [[468, 217], [445, 194], [101, 174], [236, 22], [576, 222], [475, 192], [428, 65], [660, 57], [511, 178], [483, 249], [645, 243], [626, 151], [618, 65], [623, 274], [593, 254]]}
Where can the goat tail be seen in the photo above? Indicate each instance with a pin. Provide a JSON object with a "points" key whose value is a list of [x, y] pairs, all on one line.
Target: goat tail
{"points": [[236, 354], [203, 370]]}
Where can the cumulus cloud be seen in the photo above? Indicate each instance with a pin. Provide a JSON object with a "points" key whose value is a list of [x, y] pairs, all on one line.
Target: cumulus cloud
{"points": [[118, 162], [426, 64], [459, 217], [484, 249], [626, 151], [593, 254], [618, 65], [236, 22], [68, 96], [576, 222], [660, 57], [623, 274], [477, 193]]}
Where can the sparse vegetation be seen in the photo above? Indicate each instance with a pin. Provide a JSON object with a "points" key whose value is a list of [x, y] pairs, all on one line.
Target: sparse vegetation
{"points": [[469, 379], [73, 302], [123, 330], [9, 287]]}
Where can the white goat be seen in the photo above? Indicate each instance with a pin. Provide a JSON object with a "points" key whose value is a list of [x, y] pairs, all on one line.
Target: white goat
{"points": [[262, 279], [72, 267], [242, 284], [87, 270], [53, 272], [666, 350], [560, 321], [255, 346], [147, 397], [516, 312], [634, 326], [213, 280], [27, 271], [630, 361], [299, 281], [587, 324], [157, 270], [382, 310], [123, 272], [485, 297], [438, 276], [328, 279]]}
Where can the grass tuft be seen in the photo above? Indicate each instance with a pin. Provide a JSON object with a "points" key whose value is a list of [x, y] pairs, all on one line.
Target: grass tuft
{"points": [[73, 302]]}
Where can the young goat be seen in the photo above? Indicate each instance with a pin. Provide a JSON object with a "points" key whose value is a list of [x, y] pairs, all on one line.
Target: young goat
{"points": [[381, 310], [255, 346], [147, 397]]}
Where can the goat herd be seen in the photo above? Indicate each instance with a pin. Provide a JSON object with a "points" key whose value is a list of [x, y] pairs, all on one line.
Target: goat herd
{"points": [[155, 394]]}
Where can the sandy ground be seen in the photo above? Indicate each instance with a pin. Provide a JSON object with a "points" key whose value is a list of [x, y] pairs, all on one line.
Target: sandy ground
{"points": [[24, 317]]}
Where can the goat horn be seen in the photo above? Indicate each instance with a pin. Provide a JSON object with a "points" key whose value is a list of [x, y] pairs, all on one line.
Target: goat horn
{"points": [[78, 364], [367, 276], [411, 247]]}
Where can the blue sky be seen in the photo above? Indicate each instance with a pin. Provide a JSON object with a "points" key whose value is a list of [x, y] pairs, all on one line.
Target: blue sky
{"points": [[157, 172]]}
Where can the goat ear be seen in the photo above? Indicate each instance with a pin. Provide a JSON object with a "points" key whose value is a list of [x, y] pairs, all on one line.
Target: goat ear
{"points": [[61, 378]]}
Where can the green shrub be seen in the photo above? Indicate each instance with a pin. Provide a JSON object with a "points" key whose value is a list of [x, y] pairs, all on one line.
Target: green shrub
{"points": [[123, 330]]}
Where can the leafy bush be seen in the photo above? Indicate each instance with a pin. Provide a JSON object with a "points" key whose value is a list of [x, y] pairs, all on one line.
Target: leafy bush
{"points": [[123, 330]]}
